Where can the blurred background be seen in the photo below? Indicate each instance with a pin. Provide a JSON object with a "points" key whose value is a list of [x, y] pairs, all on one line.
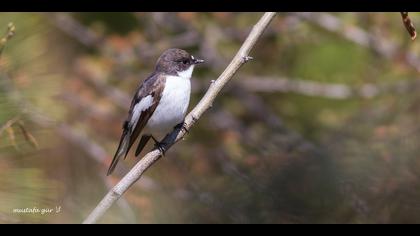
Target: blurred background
{"points": [[321, 127]]}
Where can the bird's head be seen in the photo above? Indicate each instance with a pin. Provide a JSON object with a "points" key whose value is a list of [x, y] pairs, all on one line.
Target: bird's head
{"points": [[177, 62]]}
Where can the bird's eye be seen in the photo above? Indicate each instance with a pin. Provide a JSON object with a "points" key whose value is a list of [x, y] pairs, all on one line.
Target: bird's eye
{"points": [[185, 62]]}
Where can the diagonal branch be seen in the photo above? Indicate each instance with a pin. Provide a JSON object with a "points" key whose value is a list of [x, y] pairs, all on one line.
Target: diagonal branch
{"points": [[409, 25], [9, 34], [205, 103]]}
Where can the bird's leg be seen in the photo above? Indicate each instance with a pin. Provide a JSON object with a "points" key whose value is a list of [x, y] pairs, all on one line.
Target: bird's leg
{"points": [[159, 146], [183, 126]]}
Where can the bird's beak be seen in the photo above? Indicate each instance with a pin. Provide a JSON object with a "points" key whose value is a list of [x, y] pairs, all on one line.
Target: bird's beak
{"points": [[198, 61]]}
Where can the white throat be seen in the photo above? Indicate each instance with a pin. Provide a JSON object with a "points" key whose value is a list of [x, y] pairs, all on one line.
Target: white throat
{"points": [[186, 74]]}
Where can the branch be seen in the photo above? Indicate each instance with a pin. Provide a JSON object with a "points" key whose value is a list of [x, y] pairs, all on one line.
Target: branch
{"points": [[205, 103], [9, 34], [409, 25], [9, 123]]}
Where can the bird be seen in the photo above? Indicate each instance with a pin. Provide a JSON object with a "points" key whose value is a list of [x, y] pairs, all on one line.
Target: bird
{"points": [[159, 104]]}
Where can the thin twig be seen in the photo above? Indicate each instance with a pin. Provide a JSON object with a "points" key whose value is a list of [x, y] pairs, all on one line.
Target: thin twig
{"points": [[9, 34], [409, 25], [205, 103], [28, 136], [9, 123]]}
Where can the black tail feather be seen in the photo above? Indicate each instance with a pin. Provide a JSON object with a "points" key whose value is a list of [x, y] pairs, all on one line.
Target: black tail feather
{"points": [[143, 141], [121, 150]]}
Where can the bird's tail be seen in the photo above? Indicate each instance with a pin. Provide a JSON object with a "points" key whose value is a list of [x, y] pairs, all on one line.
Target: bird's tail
{"points": [[122, 150], [143, 141]]}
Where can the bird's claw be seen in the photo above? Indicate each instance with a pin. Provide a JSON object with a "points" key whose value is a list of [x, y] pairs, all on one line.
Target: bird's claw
{"points": [[159, 146], [182, 126]]}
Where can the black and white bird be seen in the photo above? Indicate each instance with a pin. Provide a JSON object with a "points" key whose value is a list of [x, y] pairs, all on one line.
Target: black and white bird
{"points": [[160, 102]]}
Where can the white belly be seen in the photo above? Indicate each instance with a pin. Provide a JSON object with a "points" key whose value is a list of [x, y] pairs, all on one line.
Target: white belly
{"points": [[172, 107]]}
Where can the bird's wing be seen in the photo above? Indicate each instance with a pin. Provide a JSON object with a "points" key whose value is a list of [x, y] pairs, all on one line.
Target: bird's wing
{"points": [[142, 107]]}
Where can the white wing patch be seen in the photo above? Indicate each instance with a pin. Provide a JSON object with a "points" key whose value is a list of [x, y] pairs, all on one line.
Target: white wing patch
{"points": [[144, 104]]}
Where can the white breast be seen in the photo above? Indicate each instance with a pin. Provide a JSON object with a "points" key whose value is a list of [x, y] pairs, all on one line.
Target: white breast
{"points": [[173, 104]]}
